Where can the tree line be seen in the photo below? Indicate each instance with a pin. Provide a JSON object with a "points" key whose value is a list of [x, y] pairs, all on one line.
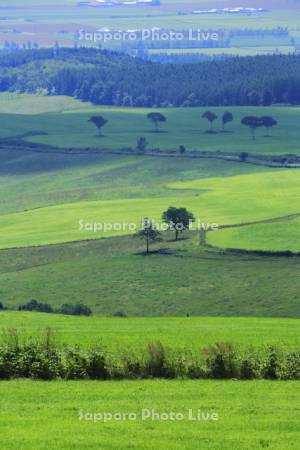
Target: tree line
{"points": [[157, 118], [109, 78]]}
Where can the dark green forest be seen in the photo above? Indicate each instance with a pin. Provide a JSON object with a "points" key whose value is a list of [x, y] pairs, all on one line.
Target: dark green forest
{"points": [[109, 78]]}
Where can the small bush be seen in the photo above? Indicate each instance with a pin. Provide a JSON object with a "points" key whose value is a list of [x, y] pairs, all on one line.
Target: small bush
{"points": [[96, 365], [222, 361], [291, 368], [75, 310], [155, 360], [75, 364], [34, 305], [119, 314], [272, 364]]}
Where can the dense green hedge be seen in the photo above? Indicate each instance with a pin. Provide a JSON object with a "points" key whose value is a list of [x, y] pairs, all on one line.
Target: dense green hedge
{"points": [[46, 360]]}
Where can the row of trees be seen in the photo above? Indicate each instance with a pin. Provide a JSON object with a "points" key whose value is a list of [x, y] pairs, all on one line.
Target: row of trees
{"points": [[252, 122], [155, 117], [107, 78]]}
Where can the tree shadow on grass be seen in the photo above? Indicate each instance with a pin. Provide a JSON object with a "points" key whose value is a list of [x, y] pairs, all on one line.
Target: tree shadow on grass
{"points": [[156, 132]]}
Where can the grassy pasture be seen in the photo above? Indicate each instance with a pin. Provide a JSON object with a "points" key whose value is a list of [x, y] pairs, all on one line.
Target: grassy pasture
{"points": [[111, 275], [192, 332], [251, 415], [185, 126]]}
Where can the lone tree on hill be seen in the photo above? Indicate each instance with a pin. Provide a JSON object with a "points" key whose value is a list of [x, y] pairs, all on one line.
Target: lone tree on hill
{"points": [[156, 118], [253, 123], [226, 118], [148, 233], [269, 122], [211, 117], [178, 219], [99, 122]]}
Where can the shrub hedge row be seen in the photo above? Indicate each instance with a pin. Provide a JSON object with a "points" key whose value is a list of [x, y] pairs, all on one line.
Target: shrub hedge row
{"points": [[46, 360]]}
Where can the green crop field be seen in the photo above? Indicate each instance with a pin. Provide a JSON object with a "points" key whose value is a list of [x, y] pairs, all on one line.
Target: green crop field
{"points": [[185, 126]]}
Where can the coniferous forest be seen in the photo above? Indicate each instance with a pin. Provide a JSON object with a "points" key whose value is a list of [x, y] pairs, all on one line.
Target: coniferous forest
{"points": [[106, 78]]}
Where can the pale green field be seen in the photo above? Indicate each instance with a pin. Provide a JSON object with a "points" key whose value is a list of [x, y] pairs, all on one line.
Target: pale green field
{"points": [[268, 237], [221, 201]]}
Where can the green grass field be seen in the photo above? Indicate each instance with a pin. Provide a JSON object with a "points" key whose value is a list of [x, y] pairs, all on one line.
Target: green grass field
{"points": [[184, 332], [250, 415]]}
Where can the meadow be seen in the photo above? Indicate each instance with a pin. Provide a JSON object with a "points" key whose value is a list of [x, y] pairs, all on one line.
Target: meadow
{"points": [[250, 415]]}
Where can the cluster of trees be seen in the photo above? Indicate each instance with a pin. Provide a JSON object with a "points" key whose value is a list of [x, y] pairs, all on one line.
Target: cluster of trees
{"points": [[177, 220], [212, 117], [108, 78], [252, 122]]}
